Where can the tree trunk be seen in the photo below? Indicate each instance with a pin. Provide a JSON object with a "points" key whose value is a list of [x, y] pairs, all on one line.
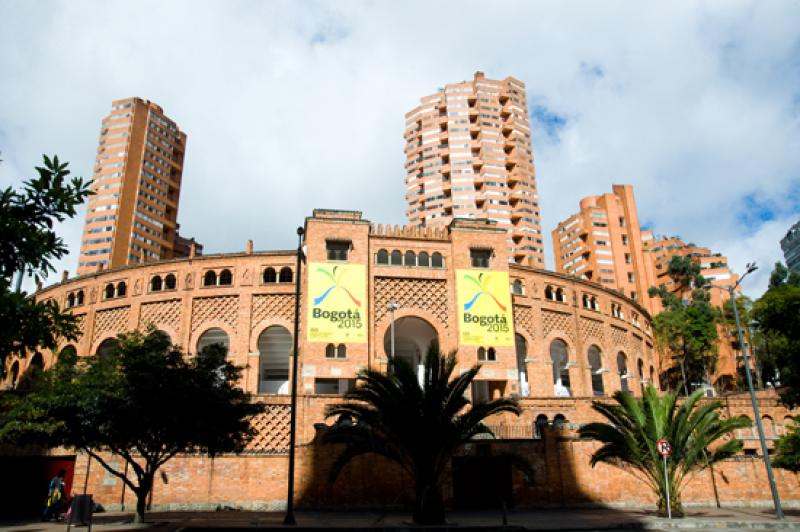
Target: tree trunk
{"points": [[675, 503], [428, 504], [142, 492]]}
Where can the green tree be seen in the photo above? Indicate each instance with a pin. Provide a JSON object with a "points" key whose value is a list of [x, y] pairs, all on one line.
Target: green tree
{"points": [[777, 317], [145, 402], [693, 427], [29, 245], [787, 449], [687, 327], [418, 427]]}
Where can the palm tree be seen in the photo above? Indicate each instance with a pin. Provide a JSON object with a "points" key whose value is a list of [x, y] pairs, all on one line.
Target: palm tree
{"points": [[635, 425], [417, 426]]}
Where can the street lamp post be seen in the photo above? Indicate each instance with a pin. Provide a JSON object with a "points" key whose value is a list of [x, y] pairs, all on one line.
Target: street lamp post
{"points": [[775, 498], [731, 290], [289, 519]]}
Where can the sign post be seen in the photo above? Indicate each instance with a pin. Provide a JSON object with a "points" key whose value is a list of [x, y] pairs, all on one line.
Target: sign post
{"points": [[664, 449]]}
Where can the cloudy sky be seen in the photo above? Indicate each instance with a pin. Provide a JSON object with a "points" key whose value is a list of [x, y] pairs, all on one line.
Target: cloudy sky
{"points": [[290, 106]]}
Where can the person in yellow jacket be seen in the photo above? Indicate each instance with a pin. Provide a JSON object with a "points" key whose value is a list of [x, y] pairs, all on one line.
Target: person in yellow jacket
{"points": [[55, 496]]}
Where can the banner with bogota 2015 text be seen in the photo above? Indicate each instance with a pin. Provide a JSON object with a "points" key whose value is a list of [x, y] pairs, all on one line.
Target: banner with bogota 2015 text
{"points": [[485, 317], [337, 303]]}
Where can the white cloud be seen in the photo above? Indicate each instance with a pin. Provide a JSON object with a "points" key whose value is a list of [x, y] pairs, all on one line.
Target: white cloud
{"points": [[291, 106]]}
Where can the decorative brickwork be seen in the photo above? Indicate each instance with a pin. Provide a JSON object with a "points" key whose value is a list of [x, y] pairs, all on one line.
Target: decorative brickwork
{"points": [[619, 336], [558, 321], [162, 313], [222, 309], [272, 430], [272, 306], [523, 319], [427, 294], [113, 320], [592, 329]]}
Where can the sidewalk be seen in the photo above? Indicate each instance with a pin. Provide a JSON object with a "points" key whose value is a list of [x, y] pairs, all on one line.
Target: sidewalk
{"points": [[558, 519]]}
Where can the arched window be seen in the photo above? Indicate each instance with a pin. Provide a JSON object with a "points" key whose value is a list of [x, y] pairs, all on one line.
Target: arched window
{"points": [[382, 257], [212, 336], [286, 275], [652, 376], [69, 351], [341, 351], [225, 277], [109, 291], [70, 300], [560, 295], [106, 347], [559, 421], [548, 293], [640, 370], [517, 287], [539, 426], [622, 370], [170, 282], [121, 289], [521, 348], [437, 261], [481, 354], [270, 276], [397, 258], [210, 278], [155, 284], [586, 302], [410, 258], [274, 346], [491, 354], [597, 370], [560, 359], [595, 304], [423, 261], [330, 351], [79, 298]]}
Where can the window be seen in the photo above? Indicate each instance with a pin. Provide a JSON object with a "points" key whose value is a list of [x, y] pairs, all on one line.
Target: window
{"points": [[382, 257], [156, 284], [487, 355], [437, 261], [410, 259], [549, 293], [337, 249], [396, 259], [71, 300], [108, 292], [517, 287], [225, 277], [630, 277], [423, 260], [210, 278], [628, 258], [121, 289], [334, 351], [285, 275], [79, 298], [213, 336], [624, 240], [170, 282], [270, 276], [596, 370], [560, 295], [622, 370], [559, 356], [480, 257]]}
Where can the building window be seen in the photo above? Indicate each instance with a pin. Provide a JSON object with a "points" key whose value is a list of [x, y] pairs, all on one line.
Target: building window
{"points": [[596, 369], [560, 295], [156, 284], [286, 275], [335, 351], [79, 299], [270, 276], [410, 259], [210, 278], [225, 277], [121, 289], [337, 249], [423, 260], [480, 257], [437, 261], [170, 282], [396, 258], [517, 287], [549, 293], [70, 300], [108, 292], [487, 355], [559, 356], [382, 257]]}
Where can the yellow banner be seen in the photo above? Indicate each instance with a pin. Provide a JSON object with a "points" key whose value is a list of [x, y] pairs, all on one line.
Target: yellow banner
{"points": [[485, 317], [337, 303]]}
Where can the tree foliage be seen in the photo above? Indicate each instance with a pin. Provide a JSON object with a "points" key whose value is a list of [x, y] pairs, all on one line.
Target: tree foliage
{"points": [[29, 245], [777, 317], [686, 329], [693, 427], [787, 449], [145, 402], [418, 427]]}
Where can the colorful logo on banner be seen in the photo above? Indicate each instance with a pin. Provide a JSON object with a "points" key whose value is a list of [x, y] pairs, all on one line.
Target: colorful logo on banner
{"points": [[337, 303], [484, 308]]}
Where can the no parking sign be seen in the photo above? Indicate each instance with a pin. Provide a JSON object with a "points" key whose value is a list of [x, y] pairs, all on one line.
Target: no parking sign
{"points": [[663, 447]]}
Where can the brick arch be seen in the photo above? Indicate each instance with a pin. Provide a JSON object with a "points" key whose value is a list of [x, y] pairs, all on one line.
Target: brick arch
{"points": [[382, 327], [100, 339], [206, 325], [263, 325], [571, 349]]}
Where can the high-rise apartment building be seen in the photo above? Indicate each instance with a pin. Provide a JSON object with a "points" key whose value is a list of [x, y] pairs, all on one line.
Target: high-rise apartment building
{"points": [[469, 155], [603, 243], [133, 215], [790, 244]]}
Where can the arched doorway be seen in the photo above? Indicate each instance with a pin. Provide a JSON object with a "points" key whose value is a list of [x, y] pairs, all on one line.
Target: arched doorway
{"points": [[106, 347], [412, 336], [14, 373], [212, 336], [622, 370], [596, 370], [559, 356], [522, 353], [274, 346]]}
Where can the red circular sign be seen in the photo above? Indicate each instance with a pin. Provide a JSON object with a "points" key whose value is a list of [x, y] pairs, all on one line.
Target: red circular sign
{"points": [[663, 447]]}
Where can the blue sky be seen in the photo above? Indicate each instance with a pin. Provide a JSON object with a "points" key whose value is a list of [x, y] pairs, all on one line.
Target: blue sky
{"points": [[290, 106]]}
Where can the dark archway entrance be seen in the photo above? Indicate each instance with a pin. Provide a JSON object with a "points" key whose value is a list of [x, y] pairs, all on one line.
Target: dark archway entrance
{"points": [[412, 336]]}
